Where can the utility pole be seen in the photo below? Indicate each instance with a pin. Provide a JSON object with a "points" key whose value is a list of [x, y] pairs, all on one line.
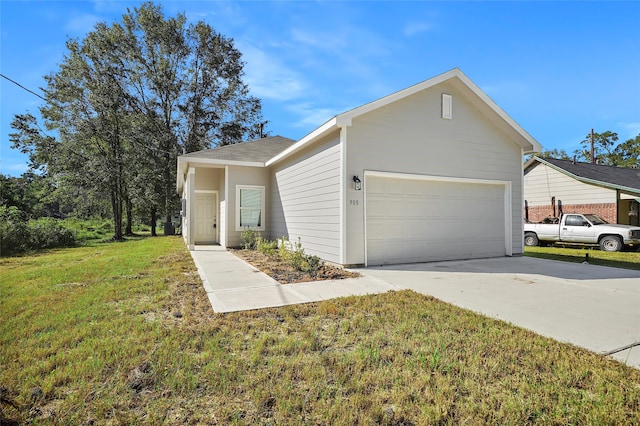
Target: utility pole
{"points": [[593, 160]]}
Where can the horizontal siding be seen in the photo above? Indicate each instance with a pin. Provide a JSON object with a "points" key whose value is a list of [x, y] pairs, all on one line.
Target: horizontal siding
{"points": [[305, 200], [542, 182], [410, 136]]}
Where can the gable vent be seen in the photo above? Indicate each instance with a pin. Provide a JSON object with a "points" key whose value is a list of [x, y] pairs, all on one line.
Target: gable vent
{"points": [[447, 106]]}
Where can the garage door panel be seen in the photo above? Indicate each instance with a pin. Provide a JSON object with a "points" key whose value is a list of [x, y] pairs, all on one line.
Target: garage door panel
{"points": [[426, 220]]}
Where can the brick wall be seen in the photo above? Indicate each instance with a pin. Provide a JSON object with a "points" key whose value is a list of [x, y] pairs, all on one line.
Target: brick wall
{"points": [[607, 211]]}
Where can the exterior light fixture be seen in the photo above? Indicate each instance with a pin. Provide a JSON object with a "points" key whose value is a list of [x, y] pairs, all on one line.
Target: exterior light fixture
{"points": [[358, 183]]}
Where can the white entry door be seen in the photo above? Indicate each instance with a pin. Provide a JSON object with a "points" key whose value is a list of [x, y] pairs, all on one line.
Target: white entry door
{"points": [[206, 218]]}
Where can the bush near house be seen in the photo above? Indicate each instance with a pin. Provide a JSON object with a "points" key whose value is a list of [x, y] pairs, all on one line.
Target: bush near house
{"points": [[286, 262]]}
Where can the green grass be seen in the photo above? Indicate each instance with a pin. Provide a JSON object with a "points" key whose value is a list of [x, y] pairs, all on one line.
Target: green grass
{"points": [[123, 333], [622, 259]]}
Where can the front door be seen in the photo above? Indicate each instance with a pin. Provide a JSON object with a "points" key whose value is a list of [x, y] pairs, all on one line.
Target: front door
{"points": [[206, 218]]}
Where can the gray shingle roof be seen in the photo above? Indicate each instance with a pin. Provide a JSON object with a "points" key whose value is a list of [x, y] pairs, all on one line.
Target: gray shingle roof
{"points": [[615, 176], [259, 150]]}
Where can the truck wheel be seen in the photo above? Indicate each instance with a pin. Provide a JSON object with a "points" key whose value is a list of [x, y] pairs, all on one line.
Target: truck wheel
{"points": [[610, 243], [530, 239]]}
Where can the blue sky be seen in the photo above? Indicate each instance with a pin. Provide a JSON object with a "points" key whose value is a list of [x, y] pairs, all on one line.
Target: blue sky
{"points": [[557, 68]]}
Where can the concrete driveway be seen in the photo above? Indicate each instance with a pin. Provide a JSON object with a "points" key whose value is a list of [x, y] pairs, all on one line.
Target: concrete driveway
{"points": [[594, 307]]}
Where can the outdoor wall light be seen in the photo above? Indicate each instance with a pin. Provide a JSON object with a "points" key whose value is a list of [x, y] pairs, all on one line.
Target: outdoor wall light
{"points": [[358, 183]]}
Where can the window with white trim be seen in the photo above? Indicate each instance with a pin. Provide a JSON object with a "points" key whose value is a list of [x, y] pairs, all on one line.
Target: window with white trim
{"points": [[249, 207]]}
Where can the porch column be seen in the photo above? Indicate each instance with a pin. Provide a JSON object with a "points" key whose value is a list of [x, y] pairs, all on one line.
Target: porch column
{"points": [[191, 183]]}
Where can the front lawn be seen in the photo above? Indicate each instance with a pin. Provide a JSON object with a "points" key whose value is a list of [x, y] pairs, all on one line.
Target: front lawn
{"points": [[123, 333], [622, 259]]}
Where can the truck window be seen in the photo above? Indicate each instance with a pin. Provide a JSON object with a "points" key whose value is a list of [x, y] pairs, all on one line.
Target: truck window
{"points": [[595, 219], [573, 220]]}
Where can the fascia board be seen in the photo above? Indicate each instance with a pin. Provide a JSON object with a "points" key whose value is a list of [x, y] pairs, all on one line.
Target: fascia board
{"points": [[309, 139], [348, 116], [590, 181], [528, 142]]}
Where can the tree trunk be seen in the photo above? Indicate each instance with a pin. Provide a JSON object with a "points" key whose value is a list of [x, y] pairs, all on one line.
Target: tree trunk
{"points": [[129, 228], [116, 207], [154, 220]]}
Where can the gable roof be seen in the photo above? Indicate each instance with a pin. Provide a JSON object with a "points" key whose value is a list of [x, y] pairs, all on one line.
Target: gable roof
{"points": [[455, 76], [255, 151], [624, 179], [251, 153]]}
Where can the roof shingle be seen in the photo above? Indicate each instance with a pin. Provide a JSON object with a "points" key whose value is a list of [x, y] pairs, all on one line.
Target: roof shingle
{"points": [[617, 176], [259, 150]]}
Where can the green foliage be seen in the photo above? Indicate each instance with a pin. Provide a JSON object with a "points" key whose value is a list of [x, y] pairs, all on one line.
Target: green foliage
{"points": [[18, 235], [267, 247], [292, 254], [14, 232], [295, 256], [127, 99], [50, 233], [607, 151], [249, 238]]}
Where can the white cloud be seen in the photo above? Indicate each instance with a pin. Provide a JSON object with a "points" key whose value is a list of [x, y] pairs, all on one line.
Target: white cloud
{"points": [[268, 77], [630, 131], [82, 24], [413, 28], [311, 116]]}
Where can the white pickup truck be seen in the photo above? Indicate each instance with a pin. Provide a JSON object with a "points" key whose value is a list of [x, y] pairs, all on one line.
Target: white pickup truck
{"points": [[582, 229]]}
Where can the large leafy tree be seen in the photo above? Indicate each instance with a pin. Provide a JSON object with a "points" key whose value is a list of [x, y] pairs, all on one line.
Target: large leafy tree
{"points": [[186, 81], [131, 97]]}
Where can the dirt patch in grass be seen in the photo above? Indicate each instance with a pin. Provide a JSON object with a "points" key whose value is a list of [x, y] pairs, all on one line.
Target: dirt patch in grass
{"points": [[285, 273]]}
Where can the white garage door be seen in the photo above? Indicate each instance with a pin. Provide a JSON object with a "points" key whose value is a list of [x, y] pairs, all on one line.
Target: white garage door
{"points": [[411, 220]]}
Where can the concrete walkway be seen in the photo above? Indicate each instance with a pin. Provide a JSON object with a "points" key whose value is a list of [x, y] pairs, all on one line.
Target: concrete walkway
{"points": [[234, 285], [594, 307]]}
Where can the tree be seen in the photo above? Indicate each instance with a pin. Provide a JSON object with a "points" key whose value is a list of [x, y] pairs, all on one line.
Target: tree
{"points": [[603, 146], [186, 81], [555, 153], [627, 154], [87, 105], [129, 98]]}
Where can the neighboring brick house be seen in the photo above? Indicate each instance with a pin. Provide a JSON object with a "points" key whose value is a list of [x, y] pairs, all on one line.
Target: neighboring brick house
{"points": [[552, 187]]}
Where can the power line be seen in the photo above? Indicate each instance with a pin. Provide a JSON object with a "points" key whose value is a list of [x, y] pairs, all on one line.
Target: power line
{"points": [[22, 87]]}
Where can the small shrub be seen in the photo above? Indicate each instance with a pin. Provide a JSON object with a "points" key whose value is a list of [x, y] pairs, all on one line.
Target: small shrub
{"points": [[249, 238], [17, 235], [297, 259], [49, 233], [266, 247], [314, 265], [14, 231]]}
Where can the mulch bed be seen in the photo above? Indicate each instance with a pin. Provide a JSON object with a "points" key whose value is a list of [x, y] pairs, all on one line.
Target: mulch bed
{"points": [[285, 274]]}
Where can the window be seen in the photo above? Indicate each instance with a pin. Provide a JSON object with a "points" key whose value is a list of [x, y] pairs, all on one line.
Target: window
{"points": [[249, 207], [573, 220]]}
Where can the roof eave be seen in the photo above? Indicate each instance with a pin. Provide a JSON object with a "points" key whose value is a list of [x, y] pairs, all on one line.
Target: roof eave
{"points": [[595, 182], [524, 140], [317, 134], [185, 162]]}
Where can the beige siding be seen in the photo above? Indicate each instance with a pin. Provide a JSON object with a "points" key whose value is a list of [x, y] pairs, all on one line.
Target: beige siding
{"points": [[238, 175], [543, 182], [305, 200], [410, 136], [207, 179]]}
